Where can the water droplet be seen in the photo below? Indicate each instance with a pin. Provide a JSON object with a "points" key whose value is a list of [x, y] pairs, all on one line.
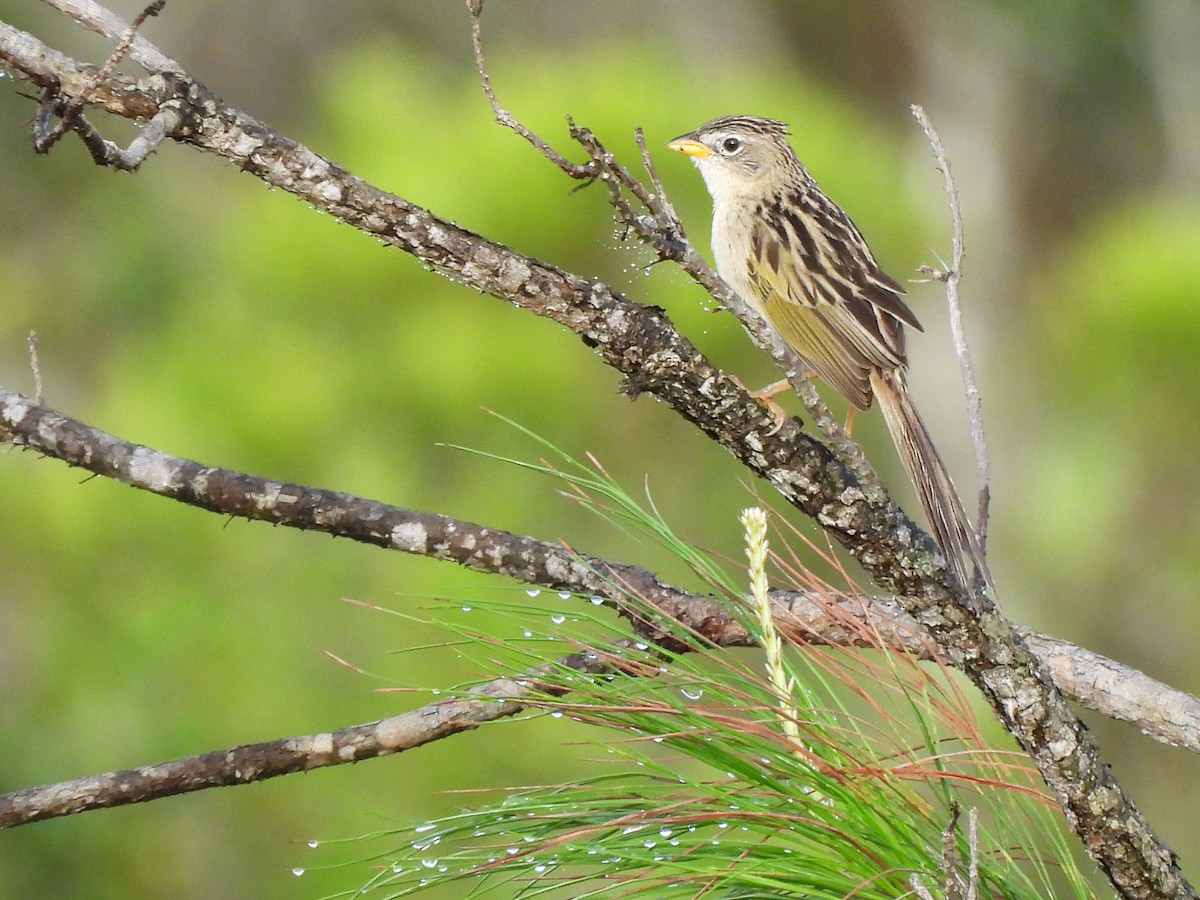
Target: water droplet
{"points": [[665, 831], [642, 645], [557, 714], [533, 592], [397, 868], [596, 600], [525, 632], [649, 843], [564, 595], [722, 824], [314, 844], [557, 619], [466, 608], [429, 863], [298, 871], [428, 826], [692, 693], [512, 851]]}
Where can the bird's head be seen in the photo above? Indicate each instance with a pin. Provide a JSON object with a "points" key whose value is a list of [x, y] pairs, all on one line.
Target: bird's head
{"points": [[739, 156]]}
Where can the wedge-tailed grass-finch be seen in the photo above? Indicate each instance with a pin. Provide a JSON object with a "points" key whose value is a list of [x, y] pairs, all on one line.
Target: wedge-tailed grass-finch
{"points": [[791, 253]]}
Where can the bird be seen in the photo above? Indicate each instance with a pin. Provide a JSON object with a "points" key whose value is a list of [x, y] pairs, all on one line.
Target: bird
{"points": [[796, 258]]}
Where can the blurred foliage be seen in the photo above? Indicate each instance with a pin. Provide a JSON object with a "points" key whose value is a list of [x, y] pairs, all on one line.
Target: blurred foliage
{"points": [[188, 308]]}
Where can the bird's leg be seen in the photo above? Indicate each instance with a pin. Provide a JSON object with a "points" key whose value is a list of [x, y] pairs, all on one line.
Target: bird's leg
{"points": [[766, 396], [771, 391], [849, 427]]}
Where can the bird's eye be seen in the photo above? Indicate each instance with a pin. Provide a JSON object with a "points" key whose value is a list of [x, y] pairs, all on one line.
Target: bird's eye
{"points": [[731, 145]]}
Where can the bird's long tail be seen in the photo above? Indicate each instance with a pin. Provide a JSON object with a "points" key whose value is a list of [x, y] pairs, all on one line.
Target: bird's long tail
{"points": [[952, 529]]}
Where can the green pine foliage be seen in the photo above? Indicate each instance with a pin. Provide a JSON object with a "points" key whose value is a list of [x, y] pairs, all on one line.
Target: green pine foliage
{"points": [[801, 771]]}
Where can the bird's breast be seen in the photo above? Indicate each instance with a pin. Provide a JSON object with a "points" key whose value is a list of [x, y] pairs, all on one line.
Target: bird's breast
{"points": [[731, 229]]}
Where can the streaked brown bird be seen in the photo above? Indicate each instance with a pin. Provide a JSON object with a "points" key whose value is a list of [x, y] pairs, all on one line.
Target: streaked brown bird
{"points": [[795, 257]]}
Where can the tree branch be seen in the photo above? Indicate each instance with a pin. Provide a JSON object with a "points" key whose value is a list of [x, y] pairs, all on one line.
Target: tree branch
{"points": [[836, 619], [951, 277], [257, 762]]}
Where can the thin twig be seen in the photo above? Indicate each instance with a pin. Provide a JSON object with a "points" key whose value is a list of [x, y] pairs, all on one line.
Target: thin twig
{"points": [[973, 859], [71, 118], [124, 45], [660, 193], [102, 21], [503, 116], [250, 763], [31, 341], [951, 277], [950, 860]]}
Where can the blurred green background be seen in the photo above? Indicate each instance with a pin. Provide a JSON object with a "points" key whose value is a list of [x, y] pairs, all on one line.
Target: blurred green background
{"points": [[189, 308]]}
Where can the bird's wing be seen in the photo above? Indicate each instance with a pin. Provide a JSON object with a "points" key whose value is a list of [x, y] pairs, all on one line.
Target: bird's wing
{"points": [[827, 297]]}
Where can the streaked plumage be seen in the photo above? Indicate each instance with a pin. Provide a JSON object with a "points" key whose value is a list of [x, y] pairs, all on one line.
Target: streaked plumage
{"points": [[795, 257]]}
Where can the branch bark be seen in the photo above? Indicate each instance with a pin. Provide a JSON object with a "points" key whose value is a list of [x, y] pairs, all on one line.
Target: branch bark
{"points": [[809, 617], [249, 763], [640, 342]]}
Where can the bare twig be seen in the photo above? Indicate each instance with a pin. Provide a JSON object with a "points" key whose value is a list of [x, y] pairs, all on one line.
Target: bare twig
{"points": [[950, 859], [71, 118], [951, 278], [31, 341], [973, 859], [124, 45], [103, 151], [503, 116], [249, 763], [100, 20]]}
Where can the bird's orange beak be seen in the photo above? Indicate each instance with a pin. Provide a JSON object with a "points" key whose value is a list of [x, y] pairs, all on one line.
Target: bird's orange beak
{"points": [[689, 146]]}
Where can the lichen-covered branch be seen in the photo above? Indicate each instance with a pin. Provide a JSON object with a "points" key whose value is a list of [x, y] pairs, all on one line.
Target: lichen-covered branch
{"points": [[257, 762], [841, 620]]}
